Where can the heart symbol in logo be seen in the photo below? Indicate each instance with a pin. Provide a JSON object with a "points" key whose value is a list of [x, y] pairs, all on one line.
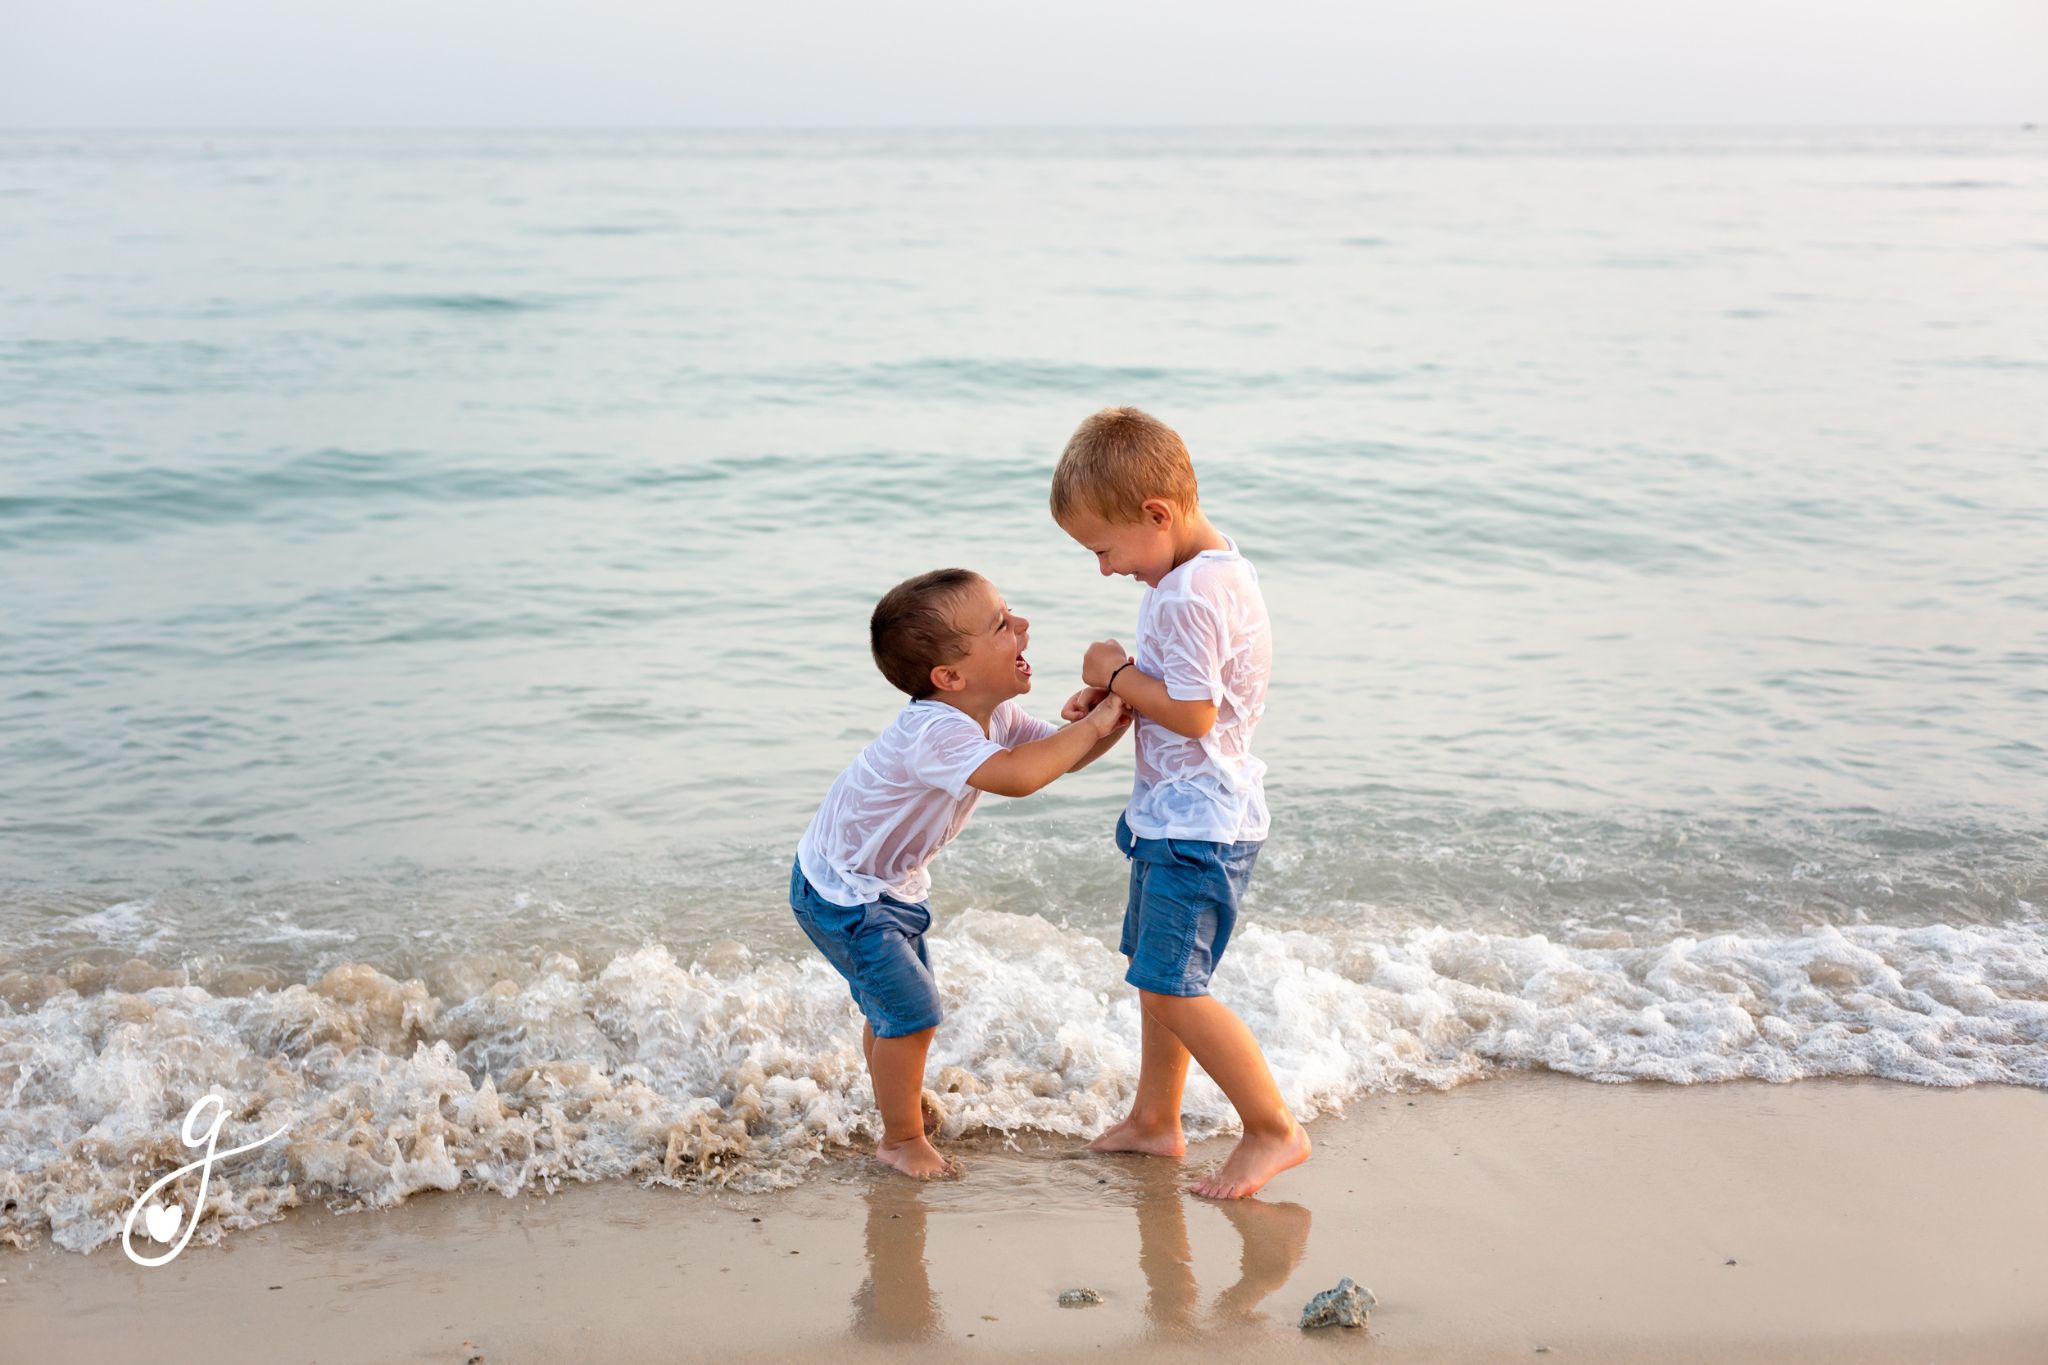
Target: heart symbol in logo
{"points": [[162, 1222]]}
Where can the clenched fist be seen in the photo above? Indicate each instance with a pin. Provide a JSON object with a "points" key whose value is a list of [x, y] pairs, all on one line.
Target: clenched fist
{"points": [[1102, 659]]}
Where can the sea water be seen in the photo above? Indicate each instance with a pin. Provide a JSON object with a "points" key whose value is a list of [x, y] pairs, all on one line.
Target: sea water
{"points": [[434, 571]]}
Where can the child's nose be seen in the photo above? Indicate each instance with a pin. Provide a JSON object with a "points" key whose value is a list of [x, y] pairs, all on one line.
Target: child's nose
{"points": [[1103, 564]]}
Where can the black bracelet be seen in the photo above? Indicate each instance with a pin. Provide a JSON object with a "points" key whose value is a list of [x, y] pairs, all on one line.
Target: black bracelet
{"points": [[1110, 686]]}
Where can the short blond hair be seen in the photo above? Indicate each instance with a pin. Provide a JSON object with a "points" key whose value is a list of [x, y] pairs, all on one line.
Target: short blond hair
{"points": [[1117, 460]]}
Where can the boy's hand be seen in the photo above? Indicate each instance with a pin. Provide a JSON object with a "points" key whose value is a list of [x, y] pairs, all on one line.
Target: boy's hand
{"points": [[1108, 715], [1081, 703], [1086, 700], [1101, 660]]}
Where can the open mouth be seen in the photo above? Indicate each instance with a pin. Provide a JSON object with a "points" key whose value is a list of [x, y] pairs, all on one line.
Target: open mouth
{"points": [[1023, 668]]}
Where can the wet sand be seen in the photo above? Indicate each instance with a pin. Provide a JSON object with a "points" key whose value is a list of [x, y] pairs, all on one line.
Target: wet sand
{"points": [[1531, 1215]]}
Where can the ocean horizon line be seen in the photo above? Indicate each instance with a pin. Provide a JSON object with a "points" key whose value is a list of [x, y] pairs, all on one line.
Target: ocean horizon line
{"points": [[1531, 126]]}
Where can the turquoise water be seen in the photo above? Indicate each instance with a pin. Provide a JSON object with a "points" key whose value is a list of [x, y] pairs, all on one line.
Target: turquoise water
{"points": [[446, 557]]}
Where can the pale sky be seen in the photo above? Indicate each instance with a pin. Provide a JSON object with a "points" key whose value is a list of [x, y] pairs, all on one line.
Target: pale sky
{"points": [[570, 63]]}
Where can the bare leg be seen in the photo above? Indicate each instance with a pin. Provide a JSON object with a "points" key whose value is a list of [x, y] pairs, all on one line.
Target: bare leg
{"points": [[896, 1066], [1153, 1126], [934, 1117], [1219, 1040]]}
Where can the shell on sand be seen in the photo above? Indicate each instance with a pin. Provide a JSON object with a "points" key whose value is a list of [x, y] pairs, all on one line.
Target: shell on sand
{"points": [[1345, 1306]]}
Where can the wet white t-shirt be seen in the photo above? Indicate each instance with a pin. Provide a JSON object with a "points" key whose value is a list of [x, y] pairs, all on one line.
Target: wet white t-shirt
{"points": [[1203, 632], [903, 799]]}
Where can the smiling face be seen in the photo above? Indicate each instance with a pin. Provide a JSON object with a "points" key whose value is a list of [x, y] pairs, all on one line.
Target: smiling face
{"points": [[994, 639], [1141, 549]]}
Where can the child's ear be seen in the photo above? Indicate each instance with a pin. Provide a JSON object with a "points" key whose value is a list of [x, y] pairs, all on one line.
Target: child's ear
{"points": [[947, 678], [1159, 513]]}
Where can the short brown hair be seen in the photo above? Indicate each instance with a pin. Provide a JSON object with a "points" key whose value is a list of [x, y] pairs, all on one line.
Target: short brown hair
{"points": [[1115, 461], [912, 630]]}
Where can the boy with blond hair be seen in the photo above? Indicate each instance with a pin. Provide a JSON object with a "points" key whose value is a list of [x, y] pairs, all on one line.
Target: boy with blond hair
{"points": [[949, 641], [1125, 490]]}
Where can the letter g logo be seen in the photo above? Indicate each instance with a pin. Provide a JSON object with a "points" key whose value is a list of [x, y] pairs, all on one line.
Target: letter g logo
{"points": [[161, 1220]]}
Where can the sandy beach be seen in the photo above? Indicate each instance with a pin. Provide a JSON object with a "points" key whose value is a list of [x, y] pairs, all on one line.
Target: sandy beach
{"points": [[1827, 1220]]}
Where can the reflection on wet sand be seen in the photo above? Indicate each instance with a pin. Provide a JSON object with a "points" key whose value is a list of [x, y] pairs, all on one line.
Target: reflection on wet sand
{"points": [[1274, 1238], [896, 1303]]}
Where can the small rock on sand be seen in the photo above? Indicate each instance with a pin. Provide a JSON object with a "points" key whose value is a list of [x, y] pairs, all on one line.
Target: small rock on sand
{"points": [[1345, 1306], [1079, 1298]]}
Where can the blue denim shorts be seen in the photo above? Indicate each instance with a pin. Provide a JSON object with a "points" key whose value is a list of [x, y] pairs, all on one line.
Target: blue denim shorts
{"points": [[1184, 899], [879, 949]]}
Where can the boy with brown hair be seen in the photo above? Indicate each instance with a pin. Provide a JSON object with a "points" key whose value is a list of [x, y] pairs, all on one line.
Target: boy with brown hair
{"points": [[858, 887], [1125, 490]]}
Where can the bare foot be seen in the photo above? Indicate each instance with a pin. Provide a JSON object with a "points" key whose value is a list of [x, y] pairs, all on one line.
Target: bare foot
{"points": [[1131, 1136], [917, 1158], [1256, 1159]]}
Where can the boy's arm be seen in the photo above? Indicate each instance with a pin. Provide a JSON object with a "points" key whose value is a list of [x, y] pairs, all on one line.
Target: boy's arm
{"points": [[1100, 747], [1028, 767], [1144, 693]]}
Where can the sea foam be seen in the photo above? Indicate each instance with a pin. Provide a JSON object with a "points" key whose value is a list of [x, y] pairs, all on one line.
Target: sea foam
{"points": [[745, 1071]]}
